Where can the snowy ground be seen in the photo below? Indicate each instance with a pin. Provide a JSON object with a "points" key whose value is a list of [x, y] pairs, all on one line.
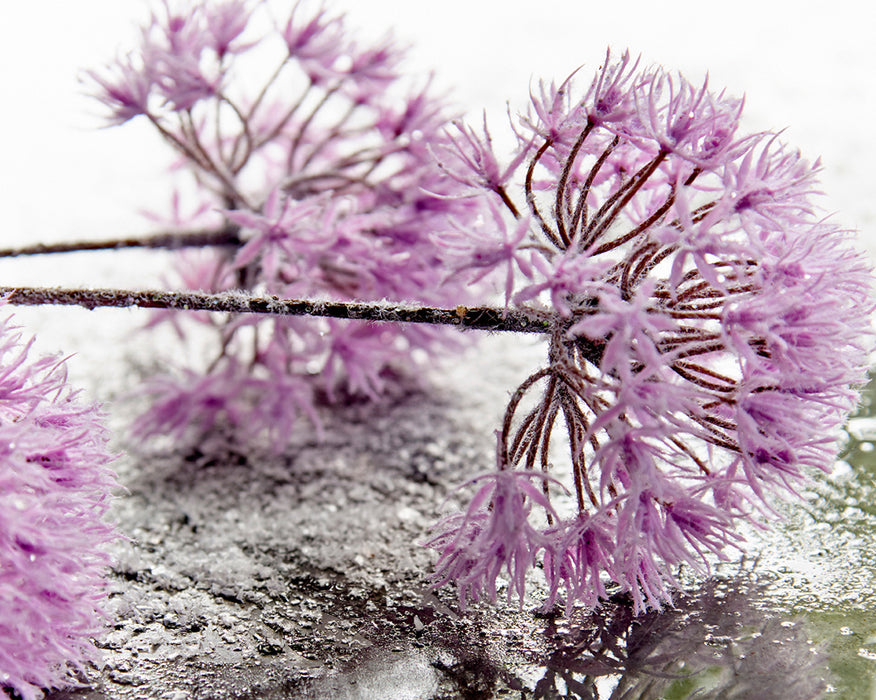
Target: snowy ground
{"points": [[249, 575]]}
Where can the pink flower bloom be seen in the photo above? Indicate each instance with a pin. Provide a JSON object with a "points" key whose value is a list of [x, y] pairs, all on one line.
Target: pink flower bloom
{"points": [[773, 183], [479, 255], [688, 121], [329, 175], [174, 54], [563, 278], [55, 490], [709, 333], [317, 42], [413, 118], [554, 115], [192, 402], [350, 365], [178, 61], [472, 162], [370, 71], [578, 559], [270, 233], [225, 22], [631, 326], [124, 89], [609, 98], [494, 535]]}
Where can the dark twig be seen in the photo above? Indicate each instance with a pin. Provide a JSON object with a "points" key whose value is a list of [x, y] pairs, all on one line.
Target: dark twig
{"points": [[474, 318], [172, 241]]}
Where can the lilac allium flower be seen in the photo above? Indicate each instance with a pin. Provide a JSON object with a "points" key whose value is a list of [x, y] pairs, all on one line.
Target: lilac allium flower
{"points": [[511, 255], [494, 535], [709, 335], [324, 166], [55, 489]]}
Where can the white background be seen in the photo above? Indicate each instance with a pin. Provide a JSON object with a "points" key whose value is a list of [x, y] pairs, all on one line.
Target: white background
{"points": [[807, 67]]}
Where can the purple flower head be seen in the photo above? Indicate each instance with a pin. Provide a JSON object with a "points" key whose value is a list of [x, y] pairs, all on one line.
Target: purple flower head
{"points": [[55, 490], [175, 54], [318, 41], [630, 326], [370, 70], [225, 23], [493, 536], [471, 161], [579, 557], [179, 64], [323, 170], [688, 121], [554, 115], [412, 117], [479, 256], [124, 88], [562, 279], [710, 331], [269, 234], [772, 183], [609, 98]]}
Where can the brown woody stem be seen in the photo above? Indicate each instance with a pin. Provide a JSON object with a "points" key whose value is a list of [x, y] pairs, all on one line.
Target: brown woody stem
{"points": [[185, 239], [475, 318]]}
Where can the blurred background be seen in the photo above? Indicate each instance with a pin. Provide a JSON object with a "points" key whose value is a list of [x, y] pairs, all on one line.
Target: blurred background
{"points": [[807, 67]]}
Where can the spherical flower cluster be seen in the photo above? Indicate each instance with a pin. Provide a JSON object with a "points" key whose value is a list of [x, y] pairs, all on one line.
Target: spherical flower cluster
{"points": [[324, 169], [709, 334], [55, 490]]}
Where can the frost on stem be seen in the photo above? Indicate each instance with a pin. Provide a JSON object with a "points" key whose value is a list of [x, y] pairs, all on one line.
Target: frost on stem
{"points": [[710, 334], [325, 167], [55, 489]]}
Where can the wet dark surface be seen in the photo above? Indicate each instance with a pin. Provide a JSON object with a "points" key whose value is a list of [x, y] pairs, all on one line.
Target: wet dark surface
{"points": [[252, 575]]}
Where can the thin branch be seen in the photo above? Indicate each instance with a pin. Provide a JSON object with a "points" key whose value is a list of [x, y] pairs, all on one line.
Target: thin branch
{"points": [[577, 427], [615, 204], [507, 201], [562, 194], [510, 410], [228, 236], [579, 219], [474, 318], [196, 153], [549, 233], [296, 142]]}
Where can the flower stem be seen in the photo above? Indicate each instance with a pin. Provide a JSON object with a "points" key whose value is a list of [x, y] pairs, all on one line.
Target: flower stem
{"points": [[475, 318], [174, 240]]}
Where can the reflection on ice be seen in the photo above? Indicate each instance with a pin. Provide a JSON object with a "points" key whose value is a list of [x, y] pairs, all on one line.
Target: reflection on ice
{"points": [[720, 641], [717, 642]]}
